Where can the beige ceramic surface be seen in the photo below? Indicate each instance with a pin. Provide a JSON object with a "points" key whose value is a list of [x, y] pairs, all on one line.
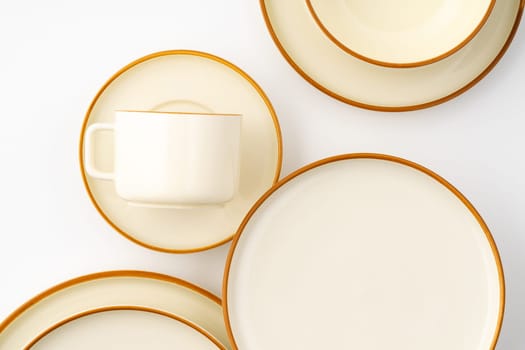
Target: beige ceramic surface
{"points": [[124, 330], [363, 84], [168, 159], [186, 81], [402, 32], [112, 289], [364, 252]]}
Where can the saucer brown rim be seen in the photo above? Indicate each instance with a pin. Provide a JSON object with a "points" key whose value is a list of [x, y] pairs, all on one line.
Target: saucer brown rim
{"points": [[125, 308], [435, 176], [228, 64], [453, 50], [104, 275], [355, 103]]}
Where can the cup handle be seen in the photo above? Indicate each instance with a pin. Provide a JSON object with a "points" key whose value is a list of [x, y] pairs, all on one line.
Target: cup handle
{"points": [[89, 160]]}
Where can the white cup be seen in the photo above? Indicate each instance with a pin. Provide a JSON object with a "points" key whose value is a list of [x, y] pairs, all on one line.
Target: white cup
{"points": [[171, 159]]}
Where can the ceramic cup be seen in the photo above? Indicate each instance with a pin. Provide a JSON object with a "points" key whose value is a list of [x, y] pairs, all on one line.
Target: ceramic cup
{"points": [[171, 158]]}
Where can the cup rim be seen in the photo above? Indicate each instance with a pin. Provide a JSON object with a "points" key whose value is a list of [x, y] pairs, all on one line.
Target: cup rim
{"points": [[204, 114]]}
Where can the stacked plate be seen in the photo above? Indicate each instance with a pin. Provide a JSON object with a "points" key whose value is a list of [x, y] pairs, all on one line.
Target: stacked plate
{"points": [[392, 55], [118, 310]]}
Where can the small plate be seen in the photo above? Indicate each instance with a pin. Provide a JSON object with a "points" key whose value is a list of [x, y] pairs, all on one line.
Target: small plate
{"points": [[352, 80], [114, 289], [363, 251], [401, 33], [125, 328], [188, 81]]}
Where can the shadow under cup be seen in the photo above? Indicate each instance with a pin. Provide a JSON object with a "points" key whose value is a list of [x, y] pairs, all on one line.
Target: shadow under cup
{"points": [[171, 158]]}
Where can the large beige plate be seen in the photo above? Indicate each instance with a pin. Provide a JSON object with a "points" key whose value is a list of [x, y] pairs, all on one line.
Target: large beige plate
{"points": [[186, 81], [349, 79], [363, 251], [401, 33], [166, 295], [124, 328]]}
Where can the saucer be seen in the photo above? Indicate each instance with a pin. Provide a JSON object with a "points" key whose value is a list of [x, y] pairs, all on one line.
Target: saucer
{"points": [[188, 81], [125, 328], [363, 251], [116, 290], [349, 79], [401, 33]]}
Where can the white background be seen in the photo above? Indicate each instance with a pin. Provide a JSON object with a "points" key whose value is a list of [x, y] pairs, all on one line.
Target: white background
{"points": [[55, 55]]}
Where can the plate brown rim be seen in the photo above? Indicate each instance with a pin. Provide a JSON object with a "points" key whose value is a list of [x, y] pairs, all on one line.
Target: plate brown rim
{"points": [[355, 103], [431, 60], [104, 275], [125, 308], [377, 156]]}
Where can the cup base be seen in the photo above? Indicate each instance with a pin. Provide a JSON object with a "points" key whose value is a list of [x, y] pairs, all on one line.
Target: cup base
{"points": [[175, 205]]}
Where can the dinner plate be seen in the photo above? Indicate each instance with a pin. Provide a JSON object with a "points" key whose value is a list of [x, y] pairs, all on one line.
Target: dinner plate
{"points": [[401, 33], [363, 251], [125, 328], [113, 289], [187, 81], [354, 81]]}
